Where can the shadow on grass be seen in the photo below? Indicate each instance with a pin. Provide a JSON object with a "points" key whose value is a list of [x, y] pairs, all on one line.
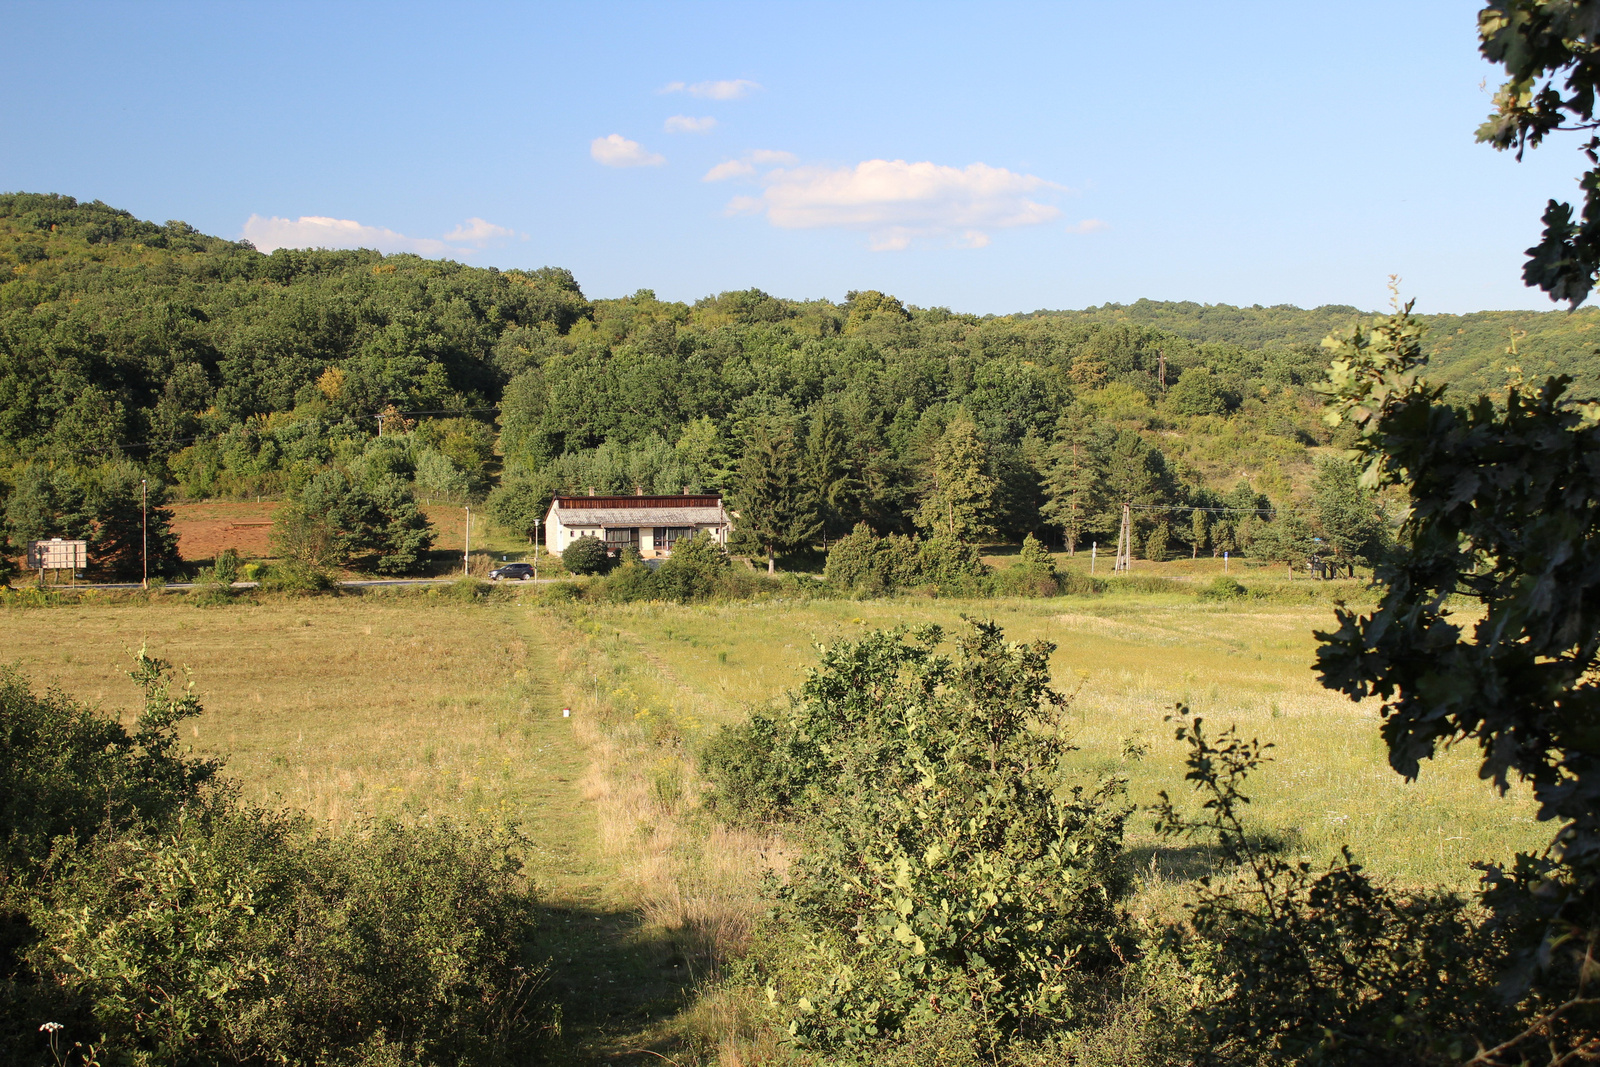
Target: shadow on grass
{"points": [[618, 985], [1187, 861]]}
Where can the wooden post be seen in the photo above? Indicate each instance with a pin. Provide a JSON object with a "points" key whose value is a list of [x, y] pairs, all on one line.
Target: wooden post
{"points": [[1125, 540], [144, 528], [466, 551]]}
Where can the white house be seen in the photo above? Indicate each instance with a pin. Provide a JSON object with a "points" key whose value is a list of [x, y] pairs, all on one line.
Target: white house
{"points": [[652, 524]]}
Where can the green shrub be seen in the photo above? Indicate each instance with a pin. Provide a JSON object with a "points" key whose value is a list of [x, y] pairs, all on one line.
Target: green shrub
{"points": [[560, 593], [586, 555], [867, 564], [225, 571], [161, 923], [692, 571], [470, 588], [297, 579], [1296, 965], [1223, 587], [251, 937], [853, 562], [68, 772], [628, 583], [946, 863]]}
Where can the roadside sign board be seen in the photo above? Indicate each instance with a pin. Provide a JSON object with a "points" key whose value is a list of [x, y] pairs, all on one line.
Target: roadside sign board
{"points": [[57, 554]]}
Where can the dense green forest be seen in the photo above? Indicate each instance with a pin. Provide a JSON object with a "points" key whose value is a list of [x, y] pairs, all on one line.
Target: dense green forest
{"points": [[132, 350]]}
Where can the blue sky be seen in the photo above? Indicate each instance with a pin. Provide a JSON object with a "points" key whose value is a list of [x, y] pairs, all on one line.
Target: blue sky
{"points": [[987, 157]]}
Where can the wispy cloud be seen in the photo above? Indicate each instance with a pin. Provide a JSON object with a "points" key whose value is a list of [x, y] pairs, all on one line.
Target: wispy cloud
{"points": [[735, 89], [732, 168], [746, 165], [319, 231], [1089, 226], [616, 150], [479, 231], [895, 202], [690, 124]]}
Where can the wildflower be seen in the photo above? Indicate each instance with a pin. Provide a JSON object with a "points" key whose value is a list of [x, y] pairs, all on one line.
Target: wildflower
{"points": [[49, 1028]]}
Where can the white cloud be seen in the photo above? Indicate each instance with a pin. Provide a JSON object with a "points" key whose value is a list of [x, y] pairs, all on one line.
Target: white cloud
{"points": [[479, 231], [318, 231], [690, 124], [733, 168], [1089, 226], [617, 151], [736, 89], [896, 203], [745, 166]]}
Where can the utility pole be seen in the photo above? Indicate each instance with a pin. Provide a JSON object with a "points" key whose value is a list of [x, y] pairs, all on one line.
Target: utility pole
{"points": [[1125, 540], [144, 528], [466, 553]]}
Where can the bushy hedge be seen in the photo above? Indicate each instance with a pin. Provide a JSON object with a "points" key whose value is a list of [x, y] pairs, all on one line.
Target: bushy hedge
{"points": [[865, 563]]}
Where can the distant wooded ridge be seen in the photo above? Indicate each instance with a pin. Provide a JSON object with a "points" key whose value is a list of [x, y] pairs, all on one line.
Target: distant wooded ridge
{"points": [[217, 370]]}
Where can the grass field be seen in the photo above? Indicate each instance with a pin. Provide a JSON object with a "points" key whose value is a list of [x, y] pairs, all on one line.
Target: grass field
{"points": [[424, 707], [1128, 660]]}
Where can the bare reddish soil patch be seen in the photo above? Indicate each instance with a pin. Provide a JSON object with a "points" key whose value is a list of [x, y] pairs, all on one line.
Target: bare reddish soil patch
{"points": [[207, 528]]}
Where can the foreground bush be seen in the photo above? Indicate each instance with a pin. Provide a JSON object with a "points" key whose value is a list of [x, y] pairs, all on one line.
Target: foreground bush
{"points": [[159, 922], [248, 937], [947, 867]]}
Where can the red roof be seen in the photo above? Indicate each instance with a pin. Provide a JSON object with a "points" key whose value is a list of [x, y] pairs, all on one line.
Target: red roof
{"points": [[711, 500]]}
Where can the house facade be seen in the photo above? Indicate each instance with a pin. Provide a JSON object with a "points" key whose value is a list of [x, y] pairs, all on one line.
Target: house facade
{"points": [[652, 524]]}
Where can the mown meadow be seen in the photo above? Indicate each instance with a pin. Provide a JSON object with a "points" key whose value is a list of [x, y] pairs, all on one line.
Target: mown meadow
{"points": [[360, 709]]}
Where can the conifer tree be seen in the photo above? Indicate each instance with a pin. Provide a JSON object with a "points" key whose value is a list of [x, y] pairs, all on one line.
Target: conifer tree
{"points": [[1074, 477], [831, 473], [959, 497], [775, 504]]}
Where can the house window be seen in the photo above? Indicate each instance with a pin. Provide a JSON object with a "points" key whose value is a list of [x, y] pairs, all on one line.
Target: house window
{"points": [[667, 536], [622, 535]]}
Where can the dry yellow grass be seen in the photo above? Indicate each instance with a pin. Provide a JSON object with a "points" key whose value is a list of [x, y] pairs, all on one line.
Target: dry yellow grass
{"points": [[420, 706], [345, 708], [1134, 657]]}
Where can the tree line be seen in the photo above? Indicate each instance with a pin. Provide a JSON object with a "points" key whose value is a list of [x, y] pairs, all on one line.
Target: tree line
{"points": [[217, 371]]}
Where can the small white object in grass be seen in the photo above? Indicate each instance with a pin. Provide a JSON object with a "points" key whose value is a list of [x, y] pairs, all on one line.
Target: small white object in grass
{"points": [[566, 713]]}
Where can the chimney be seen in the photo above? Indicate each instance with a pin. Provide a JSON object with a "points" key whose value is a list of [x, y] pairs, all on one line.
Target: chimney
{"points": [[686, 490], [638, 490], [591, 490]]}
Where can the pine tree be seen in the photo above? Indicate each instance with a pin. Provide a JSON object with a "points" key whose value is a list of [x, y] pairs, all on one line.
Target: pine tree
{"points": [[1199, 531], [129, 526], [775, 504], [1074, 477], [1135, 473], [1347, 513], [959, 496], [831, 474]]}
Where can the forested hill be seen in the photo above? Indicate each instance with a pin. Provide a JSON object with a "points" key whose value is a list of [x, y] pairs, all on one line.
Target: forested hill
{"points": [[130, 349], [1469, 352]]}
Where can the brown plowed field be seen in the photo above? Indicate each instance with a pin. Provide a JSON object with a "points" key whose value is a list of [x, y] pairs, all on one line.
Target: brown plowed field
{"points": [[207, 528]]}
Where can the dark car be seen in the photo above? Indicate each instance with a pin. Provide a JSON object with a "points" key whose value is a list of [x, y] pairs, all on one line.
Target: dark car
{"points": [[520, 571]]}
